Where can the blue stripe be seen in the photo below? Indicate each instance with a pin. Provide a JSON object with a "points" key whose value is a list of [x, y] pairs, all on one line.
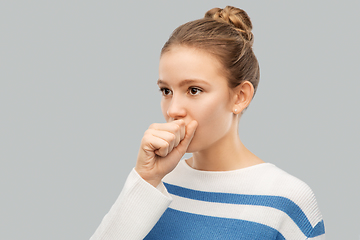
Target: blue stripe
{"points": [[277, 202], [318, 229], [175, 224]]}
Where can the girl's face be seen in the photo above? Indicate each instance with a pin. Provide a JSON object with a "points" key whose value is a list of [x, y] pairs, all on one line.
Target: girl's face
{"points": [[194, 87]]}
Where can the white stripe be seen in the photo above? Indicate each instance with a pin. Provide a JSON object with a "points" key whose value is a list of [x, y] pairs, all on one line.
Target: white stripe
{"points": [[264, 215]]}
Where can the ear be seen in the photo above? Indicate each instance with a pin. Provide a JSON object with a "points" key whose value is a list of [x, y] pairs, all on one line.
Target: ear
{"points": [[243, 95]]}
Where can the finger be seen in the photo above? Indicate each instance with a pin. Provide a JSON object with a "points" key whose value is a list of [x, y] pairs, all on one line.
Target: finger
{"points": [[174, 156], [181, 124], [190, 132], [177, 126], [169, 137], [157, 145], [182, 131]]}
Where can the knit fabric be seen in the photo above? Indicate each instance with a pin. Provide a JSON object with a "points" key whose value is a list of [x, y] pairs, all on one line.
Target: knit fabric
{"points": [[257, 202]]}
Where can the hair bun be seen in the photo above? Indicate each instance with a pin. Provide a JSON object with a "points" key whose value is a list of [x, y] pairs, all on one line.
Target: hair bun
{"points": [[236, 17]]}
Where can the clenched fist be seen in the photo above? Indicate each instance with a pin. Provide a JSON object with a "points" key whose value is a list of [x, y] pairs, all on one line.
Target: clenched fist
{"points": [[162, 147]]}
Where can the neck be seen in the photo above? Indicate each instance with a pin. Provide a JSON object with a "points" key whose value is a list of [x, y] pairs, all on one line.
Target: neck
{"points": [[227, 154]]}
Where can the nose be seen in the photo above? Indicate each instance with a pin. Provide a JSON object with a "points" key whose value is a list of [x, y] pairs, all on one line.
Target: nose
{"points": [[176, 109]]}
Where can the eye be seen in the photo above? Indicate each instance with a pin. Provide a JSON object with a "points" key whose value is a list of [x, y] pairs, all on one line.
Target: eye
{"points": [[165, 91], [194, 90]]}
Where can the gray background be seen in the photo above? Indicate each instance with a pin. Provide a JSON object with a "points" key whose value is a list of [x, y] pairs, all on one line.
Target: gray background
{"points": [[78, 89]]}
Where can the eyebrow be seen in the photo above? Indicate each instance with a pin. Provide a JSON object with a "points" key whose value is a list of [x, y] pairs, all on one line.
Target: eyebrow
{"points": [[185, 82]]}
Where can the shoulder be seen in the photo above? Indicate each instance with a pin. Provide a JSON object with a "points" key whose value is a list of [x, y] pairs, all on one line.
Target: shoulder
{"points": [[279, 183], [284, 184], [294, 196], [288, 194]]}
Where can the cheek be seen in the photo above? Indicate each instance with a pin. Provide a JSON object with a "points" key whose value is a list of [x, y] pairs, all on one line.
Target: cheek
{"points": [[212, 112], [214, 122]]}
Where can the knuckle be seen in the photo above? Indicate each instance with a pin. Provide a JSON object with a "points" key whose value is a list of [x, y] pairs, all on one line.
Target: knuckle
{"points": [[165, 145], [176, 128], [145, 140], [153, 126], [172, 137], [147, 133]]}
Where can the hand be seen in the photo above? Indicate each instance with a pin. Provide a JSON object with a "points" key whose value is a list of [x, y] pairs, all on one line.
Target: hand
{"points": [[162, 147]]}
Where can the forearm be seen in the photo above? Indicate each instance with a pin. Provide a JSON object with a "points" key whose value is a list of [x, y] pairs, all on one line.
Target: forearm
{"points": [[135, 212]]}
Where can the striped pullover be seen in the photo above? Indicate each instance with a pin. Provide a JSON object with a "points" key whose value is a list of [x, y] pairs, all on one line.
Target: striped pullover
{"points": [[257, 202]]}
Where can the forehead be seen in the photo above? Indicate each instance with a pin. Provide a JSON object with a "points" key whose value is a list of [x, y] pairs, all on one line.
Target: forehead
{"points": [[185, 63]]}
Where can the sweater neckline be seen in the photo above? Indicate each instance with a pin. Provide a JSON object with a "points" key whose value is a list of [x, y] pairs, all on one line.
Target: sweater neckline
{"points": [[184, 164]]}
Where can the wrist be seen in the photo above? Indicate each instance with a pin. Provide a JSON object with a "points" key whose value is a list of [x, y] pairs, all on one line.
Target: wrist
{"points": [[154, 181]]}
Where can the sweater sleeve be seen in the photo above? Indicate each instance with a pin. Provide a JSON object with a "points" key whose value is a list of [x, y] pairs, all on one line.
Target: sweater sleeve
{"points": [[135, 212]]}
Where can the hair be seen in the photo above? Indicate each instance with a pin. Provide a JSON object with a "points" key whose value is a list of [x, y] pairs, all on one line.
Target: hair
{"points": [[226, 34]]}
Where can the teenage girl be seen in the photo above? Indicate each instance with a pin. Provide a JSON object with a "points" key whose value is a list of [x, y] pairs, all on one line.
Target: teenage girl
{"points": [[208, 75]]}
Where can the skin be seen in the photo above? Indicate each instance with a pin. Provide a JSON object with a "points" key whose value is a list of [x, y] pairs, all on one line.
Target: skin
{"points": [[202, 116]]}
